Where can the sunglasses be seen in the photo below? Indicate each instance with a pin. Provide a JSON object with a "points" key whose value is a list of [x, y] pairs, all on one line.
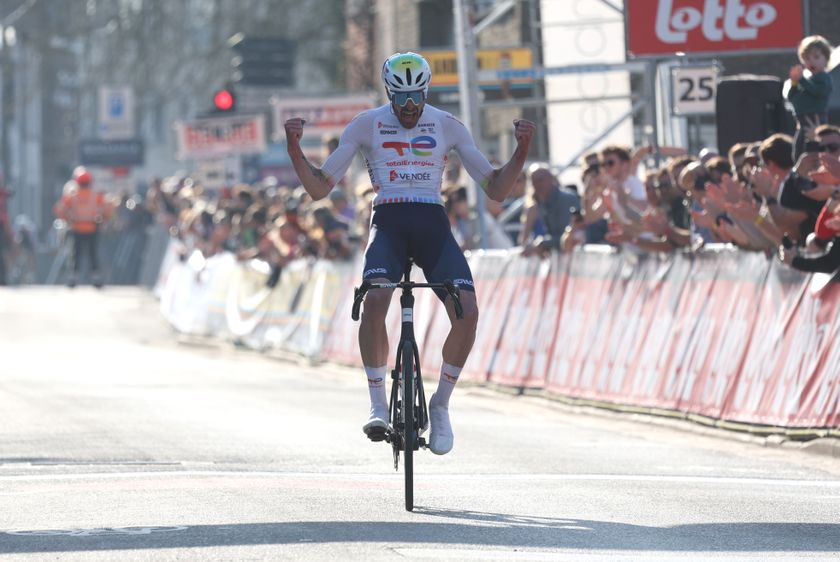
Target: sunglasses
{"points": [[401, 98], [830, 147]]}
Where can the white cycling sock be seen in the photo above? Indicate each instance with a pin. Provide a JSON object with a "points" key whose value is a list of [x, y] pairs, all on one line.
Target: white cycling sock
{"points": [[448, 378], [376, 385]]}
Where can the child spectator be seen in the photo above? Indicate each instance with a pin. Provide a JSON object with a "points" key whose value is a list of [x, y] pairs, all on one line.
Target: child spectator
{"points": [[809, 94]]}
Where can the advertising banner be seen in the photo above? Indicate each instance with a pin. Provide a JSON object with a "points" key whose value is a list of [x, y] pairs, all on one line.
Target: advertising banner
{"points": [[664, 27], [444, 65], [324, 115], [515, 347], [209, 138], [720, 333]]}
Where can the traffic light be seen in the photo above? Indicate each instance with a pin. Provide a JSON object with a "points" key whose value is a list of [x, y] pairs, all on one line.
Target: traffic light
{"points": [[263, 61], [224, 100]]}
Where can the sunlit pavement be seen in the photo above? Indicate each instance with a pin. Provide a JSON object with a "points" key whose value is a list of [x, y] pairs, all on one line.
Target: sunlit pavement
{"points": [[120, 440]]}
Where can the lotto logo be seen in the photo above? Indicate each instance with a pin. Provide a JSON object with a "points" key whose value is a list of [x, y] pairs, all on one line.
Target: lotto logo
{"points": [[718, 20], [419, 146], [665, 27]]}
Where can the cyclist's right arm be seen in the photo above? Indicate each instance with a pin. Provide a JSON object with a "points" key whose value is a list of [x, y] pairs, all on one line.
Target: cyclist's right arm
{"points": [[319, 181]]}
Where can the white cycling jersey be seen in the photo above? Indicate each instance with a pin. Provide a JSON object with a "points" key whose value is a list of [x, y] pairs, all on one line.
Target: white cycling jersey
{"points": [[406, 165]]}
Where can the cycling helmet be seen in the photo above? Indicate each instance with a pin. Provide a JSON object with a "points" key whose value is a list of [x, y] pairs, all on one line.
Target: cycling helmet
{"points": [[406, 72], [82, 176]]}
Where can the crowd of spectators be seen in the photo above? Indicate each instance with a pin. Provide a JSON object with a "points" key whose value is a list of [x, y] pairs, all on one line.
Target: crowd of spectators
{"points": [[780, 196], [761, 197], [265, 221]]}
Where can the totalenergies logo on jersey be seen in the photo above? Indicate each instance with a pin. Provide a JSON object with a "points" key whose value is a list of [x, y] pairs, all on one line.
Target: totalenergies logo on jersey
{"points": [[419, 146]]}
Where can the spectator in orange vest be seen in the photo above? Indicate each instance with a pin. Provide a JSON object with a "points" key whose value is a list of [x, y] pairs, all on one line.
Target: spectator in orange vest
{"points": [[85, 210]]}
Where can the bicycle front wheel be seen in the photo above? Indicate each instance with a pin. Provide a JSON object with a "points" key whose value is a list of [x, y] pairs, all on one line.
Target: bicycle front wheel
{"points": [[409, 427]]}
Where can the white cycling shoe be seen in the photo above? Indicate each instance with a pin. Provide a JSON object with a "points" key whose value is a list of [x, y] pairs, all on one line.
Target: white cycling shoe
{"points": [[377, 423], [441, 438]]}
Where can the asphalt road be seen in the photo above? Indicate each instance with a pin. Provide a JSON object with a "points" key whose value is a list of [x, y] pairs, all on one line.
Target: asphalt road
{"points": [[121, 441]]}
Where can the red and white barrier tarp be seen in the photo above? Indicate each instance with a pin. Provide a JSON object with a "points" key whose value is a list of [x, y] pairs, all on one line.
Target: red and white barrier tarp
{"points": [[721, 333]]}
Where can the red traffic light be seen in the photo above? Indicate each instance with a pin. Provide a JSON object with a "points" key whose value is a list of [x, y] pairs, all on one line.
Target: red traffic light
{"points": [[223, 100]]}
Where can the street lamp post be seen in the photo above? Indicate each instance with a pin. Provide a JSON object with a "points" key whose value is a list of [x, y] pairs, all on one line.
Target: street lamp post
{"points": [[8, 39], [468, 97]]}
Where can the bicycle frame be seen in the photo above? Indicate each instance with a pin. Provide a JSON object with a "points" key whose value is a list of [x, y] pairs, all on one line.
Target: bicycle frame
{"points": [[407, 409]]}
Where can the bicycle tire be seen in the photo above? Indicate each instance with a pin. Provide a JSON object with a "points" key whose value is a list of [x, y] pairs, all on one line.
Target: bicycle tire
{"points": [[409, 427]]}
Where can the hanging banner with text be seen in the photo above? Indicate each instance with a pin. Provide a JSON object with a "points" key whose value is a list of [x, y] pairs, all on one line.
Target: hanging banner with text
{"points": [[220, 136], [325, 115]]}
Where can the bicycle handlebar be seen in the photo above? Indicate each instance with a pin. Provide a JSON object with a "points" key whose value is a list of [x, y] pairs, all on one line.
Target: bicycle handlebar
{"points": [[455, 293], [453, 290], [358, 297]]}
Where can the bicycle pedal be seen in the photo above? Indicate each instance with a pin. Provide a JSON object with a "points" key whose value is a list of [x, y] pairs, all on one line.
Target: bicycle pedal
{"points": [[376, 433]]}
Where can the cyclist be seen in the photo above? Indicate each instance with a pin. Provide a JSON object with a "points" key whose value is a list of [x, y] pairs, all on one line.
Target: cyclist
{"points": [[406, 145]]}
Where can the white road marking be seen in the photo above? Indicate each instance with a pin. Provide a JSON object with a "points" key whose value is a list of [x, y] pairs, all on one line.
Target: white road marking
{"points": [[96, 531], [611, 556], [714, 480]]}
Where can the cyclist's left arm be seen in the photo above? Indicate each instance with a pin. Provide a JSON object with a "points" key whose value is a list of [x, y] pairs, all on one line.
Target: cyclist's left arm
{"points": [[497, 182]]}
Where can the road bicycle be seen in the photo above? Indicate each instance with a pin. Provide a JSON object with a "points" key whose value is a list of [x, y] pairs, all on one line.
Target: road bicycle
{"points": [[407, 409]]}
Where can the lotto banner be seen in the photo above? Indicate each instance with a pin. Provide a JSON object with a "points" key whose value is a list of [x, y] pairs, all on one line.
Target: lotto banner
{"points": [[657, 28]]}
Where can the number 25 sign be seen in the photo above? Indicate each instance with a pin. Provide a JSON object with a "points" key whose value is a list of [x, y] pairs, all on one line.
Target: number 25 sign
{"points": [[693, 90]]}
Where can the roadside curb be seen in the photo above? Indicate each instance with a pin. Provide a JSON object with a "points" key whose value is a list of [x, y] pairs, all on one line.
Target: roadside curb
{"points": [[820, 442]]}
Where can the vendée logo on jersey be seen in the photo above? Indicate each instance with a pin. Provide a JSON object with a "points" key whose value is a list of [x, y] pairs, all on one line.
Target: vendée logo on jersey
{"points": [[416, 176], [419, 146], [673, 25]]}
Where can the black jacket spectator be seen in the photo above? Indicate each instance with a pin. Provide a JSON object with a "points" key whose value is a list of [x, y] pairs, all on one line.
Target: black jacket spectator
{"points": [[826, 263]]}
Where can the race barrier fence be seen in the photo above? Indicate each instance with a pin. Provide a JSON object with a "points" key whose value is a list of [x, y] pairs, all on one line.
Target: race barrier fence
{"points": [[722, 334]]}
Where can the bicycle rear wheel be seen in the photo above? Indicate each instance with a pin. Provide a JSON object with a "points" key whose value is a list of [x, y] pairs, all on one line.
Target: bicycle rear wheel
{"points": [[409, 427]]}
